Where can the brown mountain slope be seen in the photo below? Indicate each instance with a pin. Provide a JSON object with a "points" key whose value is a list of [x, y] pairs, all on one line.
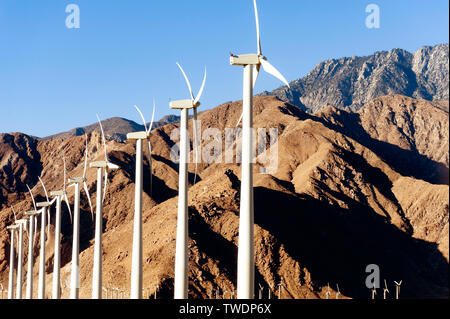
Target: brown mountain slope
{"points": [[338, 201]]}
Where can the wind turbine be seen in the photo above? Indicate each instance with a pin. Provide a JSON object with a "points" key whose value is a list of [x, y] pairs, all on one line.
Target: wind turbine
{"points": [[385, 289], [397, 289], [338, 292], [60, 196], [98, 251], [374, 292], [13, 229], [261, 288], [22, 223], [246, 254], [29, 290], [45, 212], [76, 182], [279, 288], [31, 237], [136, 261], [181, 254], [328, 293]]}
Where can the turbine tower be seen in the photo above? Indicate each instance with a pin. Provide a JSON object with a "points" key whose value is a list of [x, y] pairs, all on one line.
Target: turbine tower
{"points": [[13, 229], [98, 251], [246, 255], [136, 261], [45, 206], [29, 290], [75, 273], [22, 223], [59, 196], [32, 225], [181, 254]]}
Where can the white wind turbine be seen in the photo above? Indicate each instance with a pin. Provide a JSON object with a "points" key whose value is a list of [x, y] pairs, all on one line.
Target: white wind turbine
{"points": [[181, 254], [328, 293], [45, 206], [397, 288], [246, 255], [13, 229], [22, 223], [76, 182], [59, 196], [385, 289], [101, 166], [31, 237], [136, 261]]}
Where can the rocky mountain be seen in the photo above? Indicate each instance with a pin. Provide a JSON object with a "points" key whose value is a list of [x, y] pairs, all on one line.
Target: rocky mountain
{"points": [[350, 83], [349, 189], [116, 128]]}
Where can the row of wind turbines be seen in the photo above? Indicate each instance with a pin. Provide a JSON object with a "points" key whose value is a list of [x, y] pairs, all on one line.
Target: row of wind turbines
{"points": [[251, 64]]}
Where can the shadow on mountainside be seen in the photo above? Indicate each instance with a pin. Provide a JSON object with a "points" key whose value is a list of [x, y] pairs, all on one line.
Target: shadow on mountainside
{"points": [[405, 162], [336, 245]]}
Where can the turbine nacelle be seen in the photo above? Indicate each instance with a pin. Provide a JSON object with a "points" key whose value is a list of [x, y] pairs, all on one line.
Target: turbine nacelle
{"points": [[21, 222], [33, 213], [138, 136], [58, 193], [183, 104], [103, 164], [246, 59], [43, 204], [77, 180]]}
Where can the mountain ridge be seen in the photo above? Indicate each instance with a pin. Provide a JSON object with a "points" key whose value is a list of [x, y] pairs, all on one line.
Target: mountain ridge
{"points": [[351, 82]]}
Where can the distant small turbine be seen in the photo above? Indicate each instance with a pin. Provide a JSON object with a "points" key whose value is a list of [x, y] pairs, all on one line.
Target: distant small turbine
{"points": [[374, 292], [13, 229], [328, 293], [102, 166], [181, 253], [279, 288], [136, 255], [261, 288], [246, 250], [397, 289], [385, 289], [338, 292]]}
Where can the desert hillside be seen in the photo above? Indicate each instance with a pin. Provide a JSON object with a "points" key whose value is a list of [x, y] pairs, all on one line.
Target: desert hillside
{"points": [[349, 190]]}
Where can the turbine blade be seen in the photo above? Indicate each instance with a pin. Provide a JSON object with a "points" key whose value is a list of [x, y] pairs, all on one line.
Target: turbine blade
{"points": [[256, 69], [103, 137], [106, 184], [240, 119], [86, 190], [32, 197], [68, 207], [64, 160], [35, 231], [150, 165], [153, 117], [142, 117], [14, 212], [200, 92], [269, 68], [195, 143], [85, 158], [48, 223], [45, 190], [187, 81], [258, 35]]}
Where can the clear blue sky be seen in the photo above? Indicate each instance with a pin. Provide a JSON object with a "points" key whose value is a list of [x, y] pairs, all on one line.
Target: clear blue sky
{"points": [[53, 78]]}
